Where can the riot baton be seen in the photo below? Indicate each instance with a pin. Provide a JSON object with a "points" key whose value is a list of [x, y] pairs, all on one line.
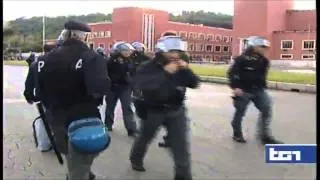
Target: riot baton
{"points": [[46, 125]]}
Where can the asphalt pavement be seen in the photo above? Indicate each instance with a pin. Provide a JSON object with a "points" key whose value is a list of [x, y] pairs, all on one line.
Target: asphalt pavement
{"points": [[214, 154]]}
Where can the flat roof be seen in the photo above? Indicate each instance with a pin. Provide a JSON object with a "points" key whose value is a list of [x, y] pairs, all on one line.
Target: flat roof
{"points": [[102, 22], [199, 25], [298, 31]]}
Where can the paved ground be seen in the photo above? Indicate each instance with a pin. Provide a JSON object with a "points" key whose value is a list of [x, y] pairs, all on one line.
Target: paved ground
{"points": [[214, 154]]}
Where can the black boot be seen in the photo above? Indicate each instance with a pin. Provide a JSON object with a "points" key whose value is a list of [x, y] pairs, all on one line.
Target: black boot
{"points": [[132, 133], [138, 167], [238, 137], [165, 143], [92, 176], [270, 140]]}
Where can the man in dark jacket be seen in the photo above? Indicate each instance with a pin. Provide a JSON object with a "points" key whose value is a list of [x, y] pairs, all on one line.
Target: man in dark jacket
{"points": [[163, 83], [72, 80], [32, 79], [248, 80], [31, 59], [184, 57], [120, 74]]}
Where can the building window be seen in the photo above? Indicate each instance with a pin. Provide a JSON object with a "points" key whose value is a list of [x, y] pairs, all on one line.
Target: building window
{"points": [[217, 58], [307, 56], [183, 34], [107, 34], [198, 47], [308, 44], [201, 36], [192, 35], [101, 34], [225, 39], [286, 56], [110, 46], [226, 49], [209, 37], [209, 48], [95, 34], [191, 47], [101, 45], [286, 44], [217, 49], [230, 39], [209, 58], [218, 37]]}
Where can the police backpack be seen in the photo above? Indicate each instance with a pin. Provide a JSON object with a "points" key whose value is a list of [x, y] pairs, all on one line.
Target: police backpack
{"points": [[40, 135]]}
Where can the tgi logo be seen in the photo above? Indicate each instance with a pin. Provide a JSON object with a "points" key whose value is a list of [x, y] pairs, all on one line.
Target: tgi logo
{"points": [[285, 153]]}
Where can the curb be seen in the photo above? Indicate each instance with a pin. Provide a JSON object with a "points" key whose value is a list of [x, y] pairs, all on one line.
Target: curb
{"points": [[303, 88]]}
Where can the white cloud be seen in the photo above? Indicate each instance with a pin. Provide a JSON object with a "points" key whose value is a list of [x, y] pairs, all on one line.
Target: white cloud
{"points": [[15, 9]]}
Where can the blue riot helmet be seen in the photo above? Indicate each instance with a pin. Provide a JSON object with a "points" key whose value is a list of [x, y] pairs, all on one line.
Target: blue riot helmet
{"points": [[125, 49], [113, 48], [139, 47]]}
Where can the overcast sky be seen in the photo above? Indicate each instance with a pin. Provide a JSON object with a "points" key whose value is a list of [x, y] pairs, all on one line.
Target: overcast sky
{"points": [[24, 8]]}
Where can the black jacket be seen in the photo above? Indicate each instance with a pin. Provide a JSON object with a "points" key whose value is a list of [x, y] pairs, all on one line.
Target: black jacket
{"points": [[73, 78], [138, 58], [119, 71], [31, 83], [249, 71], [160, 89]]}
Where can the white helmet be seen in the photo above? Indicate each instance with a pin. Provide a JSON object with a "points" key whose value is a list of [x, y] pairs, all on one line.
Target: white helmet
{"points": [[258, 41], [138, 46], [169, 43]]}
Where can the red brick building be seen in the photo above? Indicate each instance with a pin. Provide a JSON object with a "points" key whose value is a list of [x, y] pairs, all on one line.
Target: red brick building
{"points": [[147, 25], [292, 33]]}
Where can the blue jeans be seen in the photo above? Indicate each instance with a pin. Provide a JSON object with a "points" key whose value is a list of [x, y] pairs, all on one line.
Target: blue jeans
{"points": [[262, 102]]}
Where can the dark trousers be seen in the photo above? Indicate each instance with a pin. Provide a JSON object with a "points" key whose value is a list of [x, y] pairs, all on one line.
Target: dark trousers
{"points": [[177, 125], [124, 94], [78, 164], [262, 102]]}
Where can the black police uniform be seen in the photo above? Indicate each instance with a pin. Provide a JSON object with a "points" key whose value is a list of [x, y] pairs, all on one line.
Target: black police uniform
{"points": [[139, 58], [31, 93], [119, 72], [249, 73], [164, 95], [72, 79], [30, 59]]}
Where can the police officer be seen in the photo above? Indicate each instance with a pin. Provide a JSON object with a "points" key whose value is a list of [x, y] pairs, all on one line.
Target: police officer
{"points": [[101, 51], [184, 57], [119, 72], [248, 80], [163, 83], [31, 58], [32, 80], [139, 57], [72, 79]]}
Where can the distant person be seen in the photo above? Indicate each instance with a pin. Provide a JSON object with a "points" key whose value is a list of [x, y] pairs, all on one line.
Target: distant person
{"points": [[31, 58], [120, 72], [248, 80]]}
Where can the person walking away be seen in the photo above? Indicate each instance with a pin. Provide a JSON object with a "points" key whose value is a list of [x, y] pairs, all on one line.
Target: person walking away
{"points": [[73, 80]]}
